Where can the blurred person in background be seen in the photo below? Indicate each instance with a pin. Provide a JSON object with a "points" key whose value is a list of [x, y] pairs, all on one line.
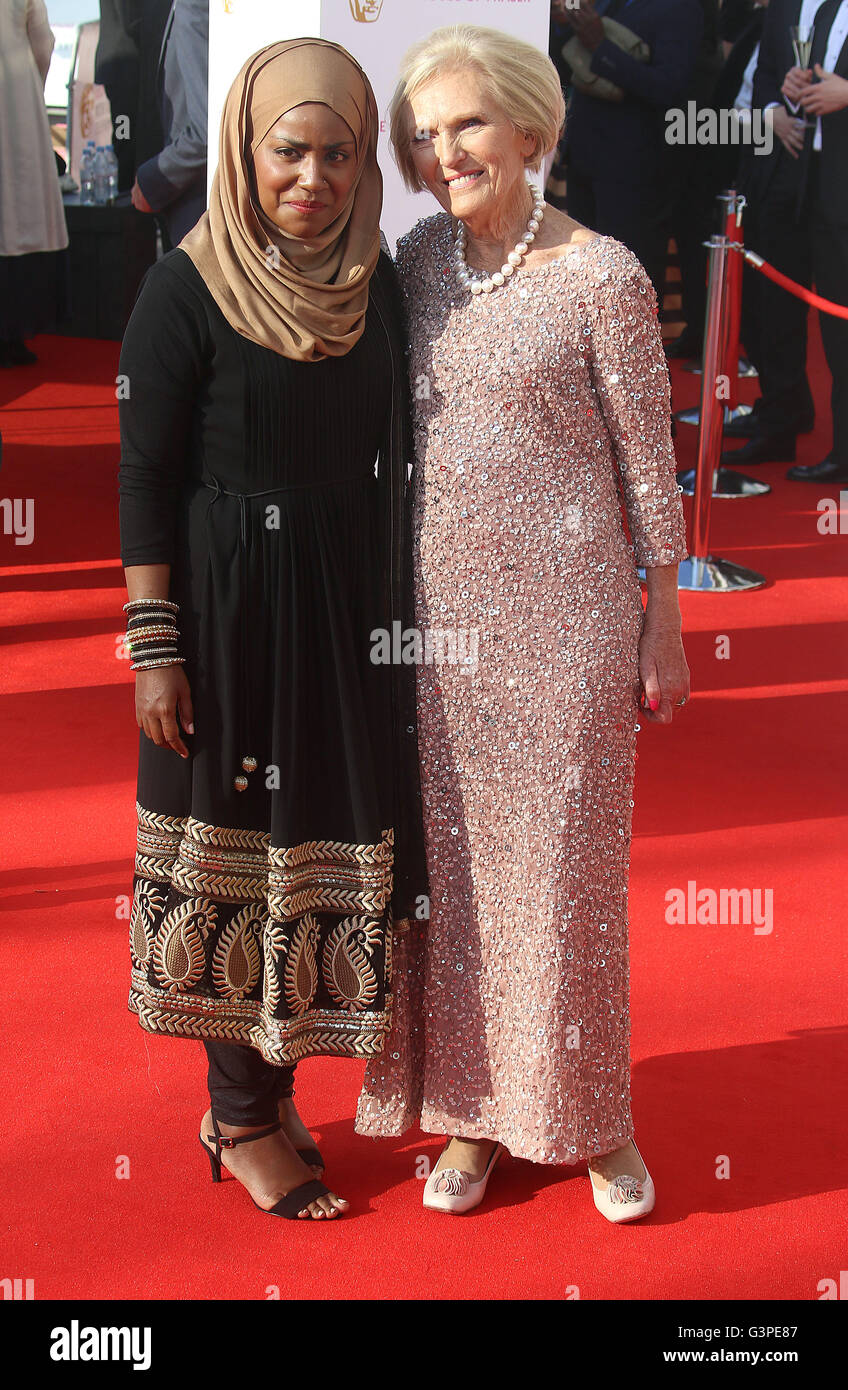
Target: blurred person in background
{"points": [[692, 212], [740, 168], [774, 325], [618, 161], [722, 166], [557, 186], [799, 223], [173, 182], [820, 94], [735, 87], [734, 18], [33, 234], [127, 62]]}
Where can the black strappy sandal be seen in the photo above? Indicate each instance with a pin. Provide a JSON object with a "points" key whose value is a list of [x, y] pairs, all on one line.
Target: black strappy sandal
{"points": [[289, 1206], [311, 1157]]}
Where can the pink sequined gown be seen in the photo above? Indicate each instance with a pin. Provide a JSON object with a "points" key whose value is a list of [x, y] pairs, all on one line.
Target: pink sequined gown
{"points": [[511, 1007]]}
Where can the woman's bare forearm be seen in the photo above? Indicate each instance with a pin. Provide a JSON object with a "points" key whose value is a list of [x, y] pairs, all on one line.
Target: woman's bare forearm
{"points": [[663, 605], [147, 581]]}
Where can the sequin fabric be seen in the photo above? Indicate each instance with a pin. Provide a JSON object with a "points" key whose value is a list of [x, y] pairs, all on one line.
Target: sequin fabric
{"points": [[533, 407]]}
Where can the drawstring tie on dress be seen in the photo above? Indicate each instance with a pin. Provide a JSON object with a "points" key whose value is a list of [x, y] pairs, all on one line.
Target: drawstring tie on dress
{"points": [[248, 761]]}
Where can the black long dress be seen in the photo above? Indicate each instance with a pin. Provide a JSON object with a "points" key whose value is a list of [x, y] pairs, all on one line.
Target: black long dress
{"points": [[265, 916]]}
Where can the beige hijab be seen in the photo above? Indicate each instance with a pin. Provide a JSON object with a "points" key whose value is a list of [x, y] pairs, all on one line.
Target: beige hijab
{"points": [[311, 303]]}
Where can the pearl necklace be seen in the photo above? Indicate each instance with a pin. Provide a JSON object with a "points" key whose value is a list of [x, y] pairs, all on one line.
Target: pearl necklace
{"points": [[481, 282]]}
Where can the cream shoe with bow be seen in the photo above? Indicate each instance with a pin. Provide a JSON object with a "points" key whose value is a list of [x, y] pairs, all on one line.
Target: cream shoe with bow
{"points": [[450, 1189], [625, 1198]]}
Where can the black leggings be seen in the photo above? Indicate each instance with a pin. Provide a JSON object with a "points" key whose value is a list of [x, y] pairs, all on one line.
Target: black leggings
{"points": [[243, 1087]]}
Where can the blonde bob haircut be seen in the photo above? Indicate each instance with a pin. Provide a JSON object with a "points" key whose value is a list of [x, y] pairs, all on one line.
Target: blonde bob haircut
{"points": [[520, 79]]}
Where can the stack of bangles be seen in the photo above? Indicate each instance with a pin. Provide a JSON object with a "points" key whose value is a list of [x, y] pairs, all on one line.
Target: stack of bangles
{"points": [[152, 633]]}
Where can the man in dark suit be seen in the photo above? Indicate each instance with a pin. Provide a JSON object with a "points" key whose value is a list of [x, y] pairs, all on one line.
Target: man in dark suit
{"points": [[173, 182], [734, 91], [730, 167], [800, 200], [127, 53], [694, 197], [735, 18], [713, 168], [823, 208], [619, 162]]}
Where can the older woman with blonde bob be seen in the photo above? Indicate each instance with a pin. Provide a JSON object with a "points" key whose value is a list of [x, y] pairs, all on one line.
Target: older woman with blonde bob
{"points": [[542, 405]]}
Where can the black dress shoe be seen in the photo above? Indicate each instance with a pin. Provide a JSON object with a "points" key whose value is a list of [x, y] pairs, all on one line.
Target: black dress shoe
{"points": [[828, 471], [763, 448], [748, 426], [17, 354], [743, 427]]}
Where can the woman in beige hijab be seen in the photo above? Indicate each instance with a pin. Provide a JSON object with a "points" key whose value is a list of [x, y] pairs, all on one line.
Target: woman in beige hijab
{"points": [[278, 810]]}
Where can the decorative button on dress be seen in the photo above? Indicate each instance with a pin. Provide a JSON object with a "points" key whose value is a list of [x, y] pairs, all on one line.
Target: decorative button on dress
{"points": [[539, 410]]}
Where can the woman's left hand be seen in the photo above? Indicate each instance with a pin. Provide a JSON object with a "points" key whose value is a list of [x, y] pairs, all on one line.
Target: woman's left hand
{"points": [[663, 671]]}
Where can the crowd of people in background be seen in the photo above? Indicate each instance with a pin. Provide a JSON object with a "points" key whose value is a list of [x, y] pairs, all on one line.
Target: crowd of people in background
{"points": [[618, 172], [624, 65]]}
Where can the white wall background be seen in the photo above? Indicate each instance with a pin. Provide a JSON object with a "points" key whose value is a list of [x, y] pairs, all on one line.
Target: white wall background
{"points": [[377, 39]]}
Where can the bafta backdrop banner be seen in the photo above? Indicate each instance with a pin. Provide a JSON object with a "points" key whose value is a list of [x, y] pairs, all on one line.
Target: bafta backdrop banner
{"points": [[377, 33]]}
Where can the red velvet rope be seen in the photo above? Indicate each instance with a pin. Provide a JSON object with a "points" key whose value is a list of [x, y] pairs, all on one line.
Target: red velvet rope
{"points": [[839, 311]]}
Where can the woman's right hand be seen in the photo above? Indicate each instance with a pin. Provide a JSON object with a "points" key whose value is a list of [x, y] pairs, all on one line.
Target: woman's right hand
{"points": [[161, 693]]}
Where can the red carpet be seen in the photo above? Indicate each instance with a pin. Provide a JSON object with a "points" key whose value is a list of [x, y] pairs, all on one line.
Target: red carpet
{"points": [[740, 1047]]}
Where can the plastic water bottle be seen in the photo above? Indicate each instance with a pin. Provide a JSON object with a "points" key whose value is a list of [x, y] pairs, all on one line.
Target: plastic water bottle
{"points": [[101, 175], [112, 174], [87, 174]]}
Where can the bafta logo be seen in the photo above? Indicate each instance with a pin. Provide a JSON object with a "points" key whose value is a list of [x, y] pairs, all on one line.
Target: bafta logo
{"points": [[365, 11]]}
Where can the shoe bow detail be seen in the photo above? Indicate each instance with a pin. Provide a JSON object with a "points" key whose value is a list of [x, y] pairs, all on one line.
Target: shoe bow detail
{"points": [[452, 1181], [625, 1189]]}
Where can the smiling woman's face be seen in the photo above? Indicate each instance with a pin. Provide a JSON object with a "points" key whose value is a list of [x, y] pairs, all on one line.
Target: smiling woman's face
{"points": [[304, 169], [464, 147]]}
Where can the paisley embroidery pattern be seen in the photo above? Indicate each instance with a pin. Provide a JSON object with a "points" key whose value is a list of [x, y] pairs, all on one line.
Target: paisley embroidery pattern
{"points": [[346, 967], [148, 903], [288, 950], [179, 958], [301, 970], [237, 960]]}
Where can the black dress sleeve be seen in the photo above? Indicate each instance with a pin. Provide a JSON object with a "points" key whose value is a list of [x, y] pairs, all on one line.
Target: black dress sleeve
{"points": [[161, 367]]}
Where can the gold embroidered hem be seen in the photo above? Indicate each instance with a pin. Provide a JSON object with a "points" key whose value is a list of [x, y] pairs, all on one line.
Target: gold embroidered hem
{"points": [[288, 950]]}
